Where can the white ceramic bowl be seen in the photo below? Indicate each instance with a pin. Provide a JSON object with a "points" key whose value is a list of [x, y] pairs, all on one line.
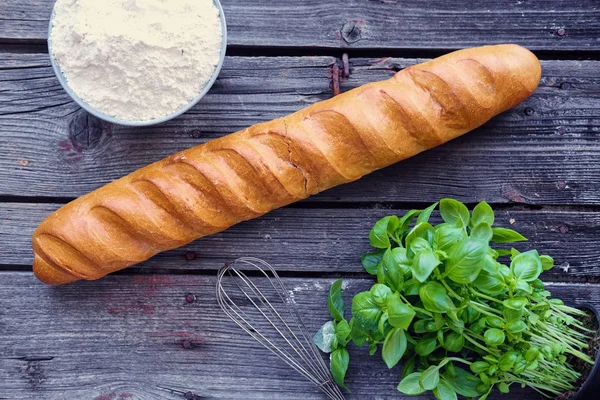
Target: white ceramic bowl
{"points": [[82, 103]]}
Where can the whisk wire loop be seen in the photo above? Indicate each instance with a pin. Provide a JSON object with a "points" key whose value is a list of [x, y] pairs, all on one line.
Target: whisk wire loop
{"points": [[266, 311]]}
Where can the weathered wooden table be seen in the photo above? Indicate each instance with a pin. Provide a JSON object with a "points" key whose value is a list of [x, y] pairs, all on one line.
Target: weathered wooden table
{"points": [[139, 334]]}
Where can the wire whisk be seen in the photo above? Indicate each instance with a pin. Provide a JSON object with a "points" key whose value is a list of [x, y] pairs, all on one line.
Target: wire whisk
{"points": [[259, 303]]}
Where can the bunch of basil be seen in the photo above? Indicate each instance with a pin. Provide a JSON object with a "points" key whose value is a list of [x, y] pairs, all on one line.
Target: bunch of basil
{"points": [[442, 299]]}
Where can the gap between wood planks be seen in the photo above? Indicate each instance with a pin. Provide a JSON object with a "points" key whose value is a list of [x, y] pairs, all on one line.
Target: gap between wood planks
{"points": [[385, 205], [134, 271], [40, 47]]}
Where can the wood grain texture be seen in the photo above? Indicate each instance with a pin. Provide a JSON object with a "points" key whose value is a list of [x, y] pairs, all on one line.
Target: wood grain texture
{"points": [[320, 240], [544, 151], [123, 338], [373, 24]]}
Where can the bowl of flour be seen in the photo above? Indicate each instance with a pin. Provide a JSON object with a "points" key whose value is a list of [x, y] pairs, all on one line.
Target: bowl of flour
{"points": [[137, 62]]}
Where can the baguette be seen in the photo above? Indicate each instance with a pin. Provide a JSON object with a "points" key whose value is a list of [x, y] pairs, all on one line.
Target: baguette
{"points": [[213, 186]]}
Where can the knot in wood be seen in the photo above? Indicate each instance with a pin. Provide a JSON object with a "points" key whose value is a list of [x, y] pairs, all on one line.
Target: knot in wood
{"points": [[85, 130], [196, 134], [565, 85], [351, 32], [529, 111], [190, 298]]}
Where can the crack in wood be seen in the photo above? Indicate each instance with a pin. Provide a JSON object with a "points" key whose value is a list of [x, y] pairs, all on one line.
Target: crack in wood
{"points": [[32, 358]]}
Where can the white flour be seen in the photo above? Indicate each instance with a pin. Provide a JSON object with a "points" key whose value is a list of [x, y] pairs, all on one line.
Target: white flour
{"points": [[136, 59]]}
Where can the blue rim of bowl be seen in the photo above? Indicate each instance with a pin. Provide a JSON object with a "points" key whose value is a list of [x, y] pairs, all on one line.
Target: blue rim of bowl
{"points": [[156, 121]]}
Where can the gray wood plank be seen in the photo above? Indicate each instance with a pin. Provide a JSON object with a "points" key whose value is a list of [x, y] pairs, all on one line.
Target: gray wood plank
{"points": [[544, 151], [328, 240], [554, 25], [123, 338]]}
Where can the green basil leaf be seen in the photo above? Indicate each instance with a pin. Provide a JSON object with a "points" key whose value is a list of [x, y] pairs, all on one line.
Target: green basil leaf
{"points": [[482, 213], [424, 263], [519, 367], [419, 244], [514, 252], [494, 337], [453, 211], [339, 361], [408, 367], [516, 303], [537, 284], [439, 320], [503, 252], [421, 326], [370, 261], [466, 260], [547, 352], [401, 259], [547, 262], [430, 378], [479, 367], [446, 236], [426, 345], [490, 264], [558, 349], [482, 231], [334, 344], [380, 293], [412, 287], [511, 315], [444, 391], [515, 326], [410, 385], [379, 234], [394, 347], [456, 324], [505, 235], [526, 266], [504, 271], [442, 255], [335, 303], [358, 333], [400, 315], [532, 354], [382, 324], [494, 322], [424, 230], [426, 213], [440, 337], [407, 218], [507, 361], [533, 319], [450, 369], [472, 315], [342, 332], [490, 283], [365, 310], [434, 298], [524, 286], [463, 383], [324, 337], [391, 272], [372, 348], [454, 342], [503, 387]]}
